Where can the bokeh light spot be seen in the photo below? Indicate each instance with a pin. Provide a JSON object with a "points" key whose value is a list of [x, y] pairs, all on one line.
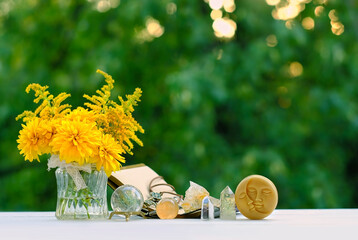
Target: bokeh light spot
{"points": [[5, 7], [337, 28], [308, 23], [318, 11], [295, 69], [154, 28], [288, 12], [216, 4], [272, 2], [171, 8], [333, 15], [271, 40], [229, 6], [216, 14], [224, 27], [103, 6]]}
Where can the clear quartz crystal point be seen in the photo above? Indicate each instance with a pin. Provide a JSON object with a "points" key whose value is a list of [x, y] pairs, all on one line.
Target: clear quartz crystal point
{"points": [[207, 209], [227, 204]]}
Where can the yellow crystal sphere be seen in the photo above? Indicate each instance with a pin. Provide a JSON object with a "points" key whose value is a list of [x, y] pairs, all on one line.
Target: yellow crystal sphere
{"points": [[167, 208], [256, 197]]}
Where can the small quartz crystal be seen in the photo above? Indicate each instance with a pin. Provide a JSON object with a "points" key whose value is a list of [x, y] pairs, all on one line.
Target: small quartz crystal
{"points": [[207, 209], [127, 198], [227, 204], [194, 197], [167, 208]]}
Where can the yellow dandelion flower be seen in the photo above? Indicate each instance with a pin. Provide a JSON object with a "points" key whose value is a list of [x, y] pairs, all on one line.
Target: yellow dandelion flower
{"points": [[81, 114], [109, 155], [76, 141], [47, 130], [29, 140]]}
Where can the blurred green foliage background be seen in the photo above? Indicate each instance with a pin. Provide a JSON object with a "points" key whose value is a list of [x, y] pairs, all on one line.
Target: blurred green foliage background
{"points": [[269, 87]]}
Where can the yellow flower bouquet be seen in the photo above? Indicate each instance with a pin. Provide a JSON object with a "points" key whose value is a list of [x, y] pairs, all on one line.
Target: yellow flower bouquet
{"points": [[86, 144]]}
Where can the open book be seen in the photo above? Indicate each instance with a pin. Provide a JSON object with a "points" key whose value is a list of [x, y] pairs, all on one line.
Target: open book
{"points": [[141, 177]]}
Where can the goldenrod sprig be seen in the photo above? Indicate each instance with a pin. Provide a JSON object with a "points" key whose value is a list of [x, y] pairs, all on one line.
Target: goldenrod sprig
{"points": [[40, 92], [26, 116], [100, 103], [49, 108], [116, 119], [131, 100]]}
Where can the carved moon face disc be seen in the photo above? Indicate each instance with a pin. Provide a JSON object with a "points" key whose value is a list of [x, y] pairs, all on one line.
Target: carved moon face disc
{"points": [[256, 197]]}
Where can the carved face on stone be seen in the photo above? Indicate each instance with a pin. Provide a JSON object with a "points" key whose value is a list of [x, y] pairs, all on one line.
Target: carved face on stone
{"points": [[261, 194], [256, 197]]}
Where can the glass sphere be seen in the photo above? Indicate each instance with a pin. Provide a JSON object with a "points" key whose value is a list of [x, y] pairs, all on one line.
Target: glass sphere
{"points": [[127, 198]]}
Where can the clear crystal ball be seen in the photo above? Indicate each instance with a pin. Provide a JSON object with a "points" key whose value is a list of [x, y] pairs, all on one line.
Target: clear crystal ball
{"points": [[127, 198]]}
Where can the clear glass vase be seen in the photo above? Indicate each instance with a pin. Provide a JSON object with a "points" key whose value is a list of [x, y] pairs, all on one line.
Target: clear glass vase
{"points": [[86, 203]]}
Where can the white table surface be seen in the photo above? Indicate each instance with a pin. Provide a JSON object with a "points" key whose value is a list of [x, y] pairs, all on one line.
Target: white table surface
{"points": [[281, 224]]}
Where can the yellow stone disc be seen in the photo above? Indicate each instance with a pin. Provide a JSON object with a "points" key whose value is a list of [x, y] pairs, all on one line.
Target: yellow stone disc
{"points": [[256, 197], [167, 208]]}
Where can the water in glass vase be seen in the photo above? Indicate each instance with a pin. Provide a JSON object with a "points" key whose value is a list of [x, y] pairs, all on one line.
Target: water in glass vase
{"points": [[86, 203]]}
